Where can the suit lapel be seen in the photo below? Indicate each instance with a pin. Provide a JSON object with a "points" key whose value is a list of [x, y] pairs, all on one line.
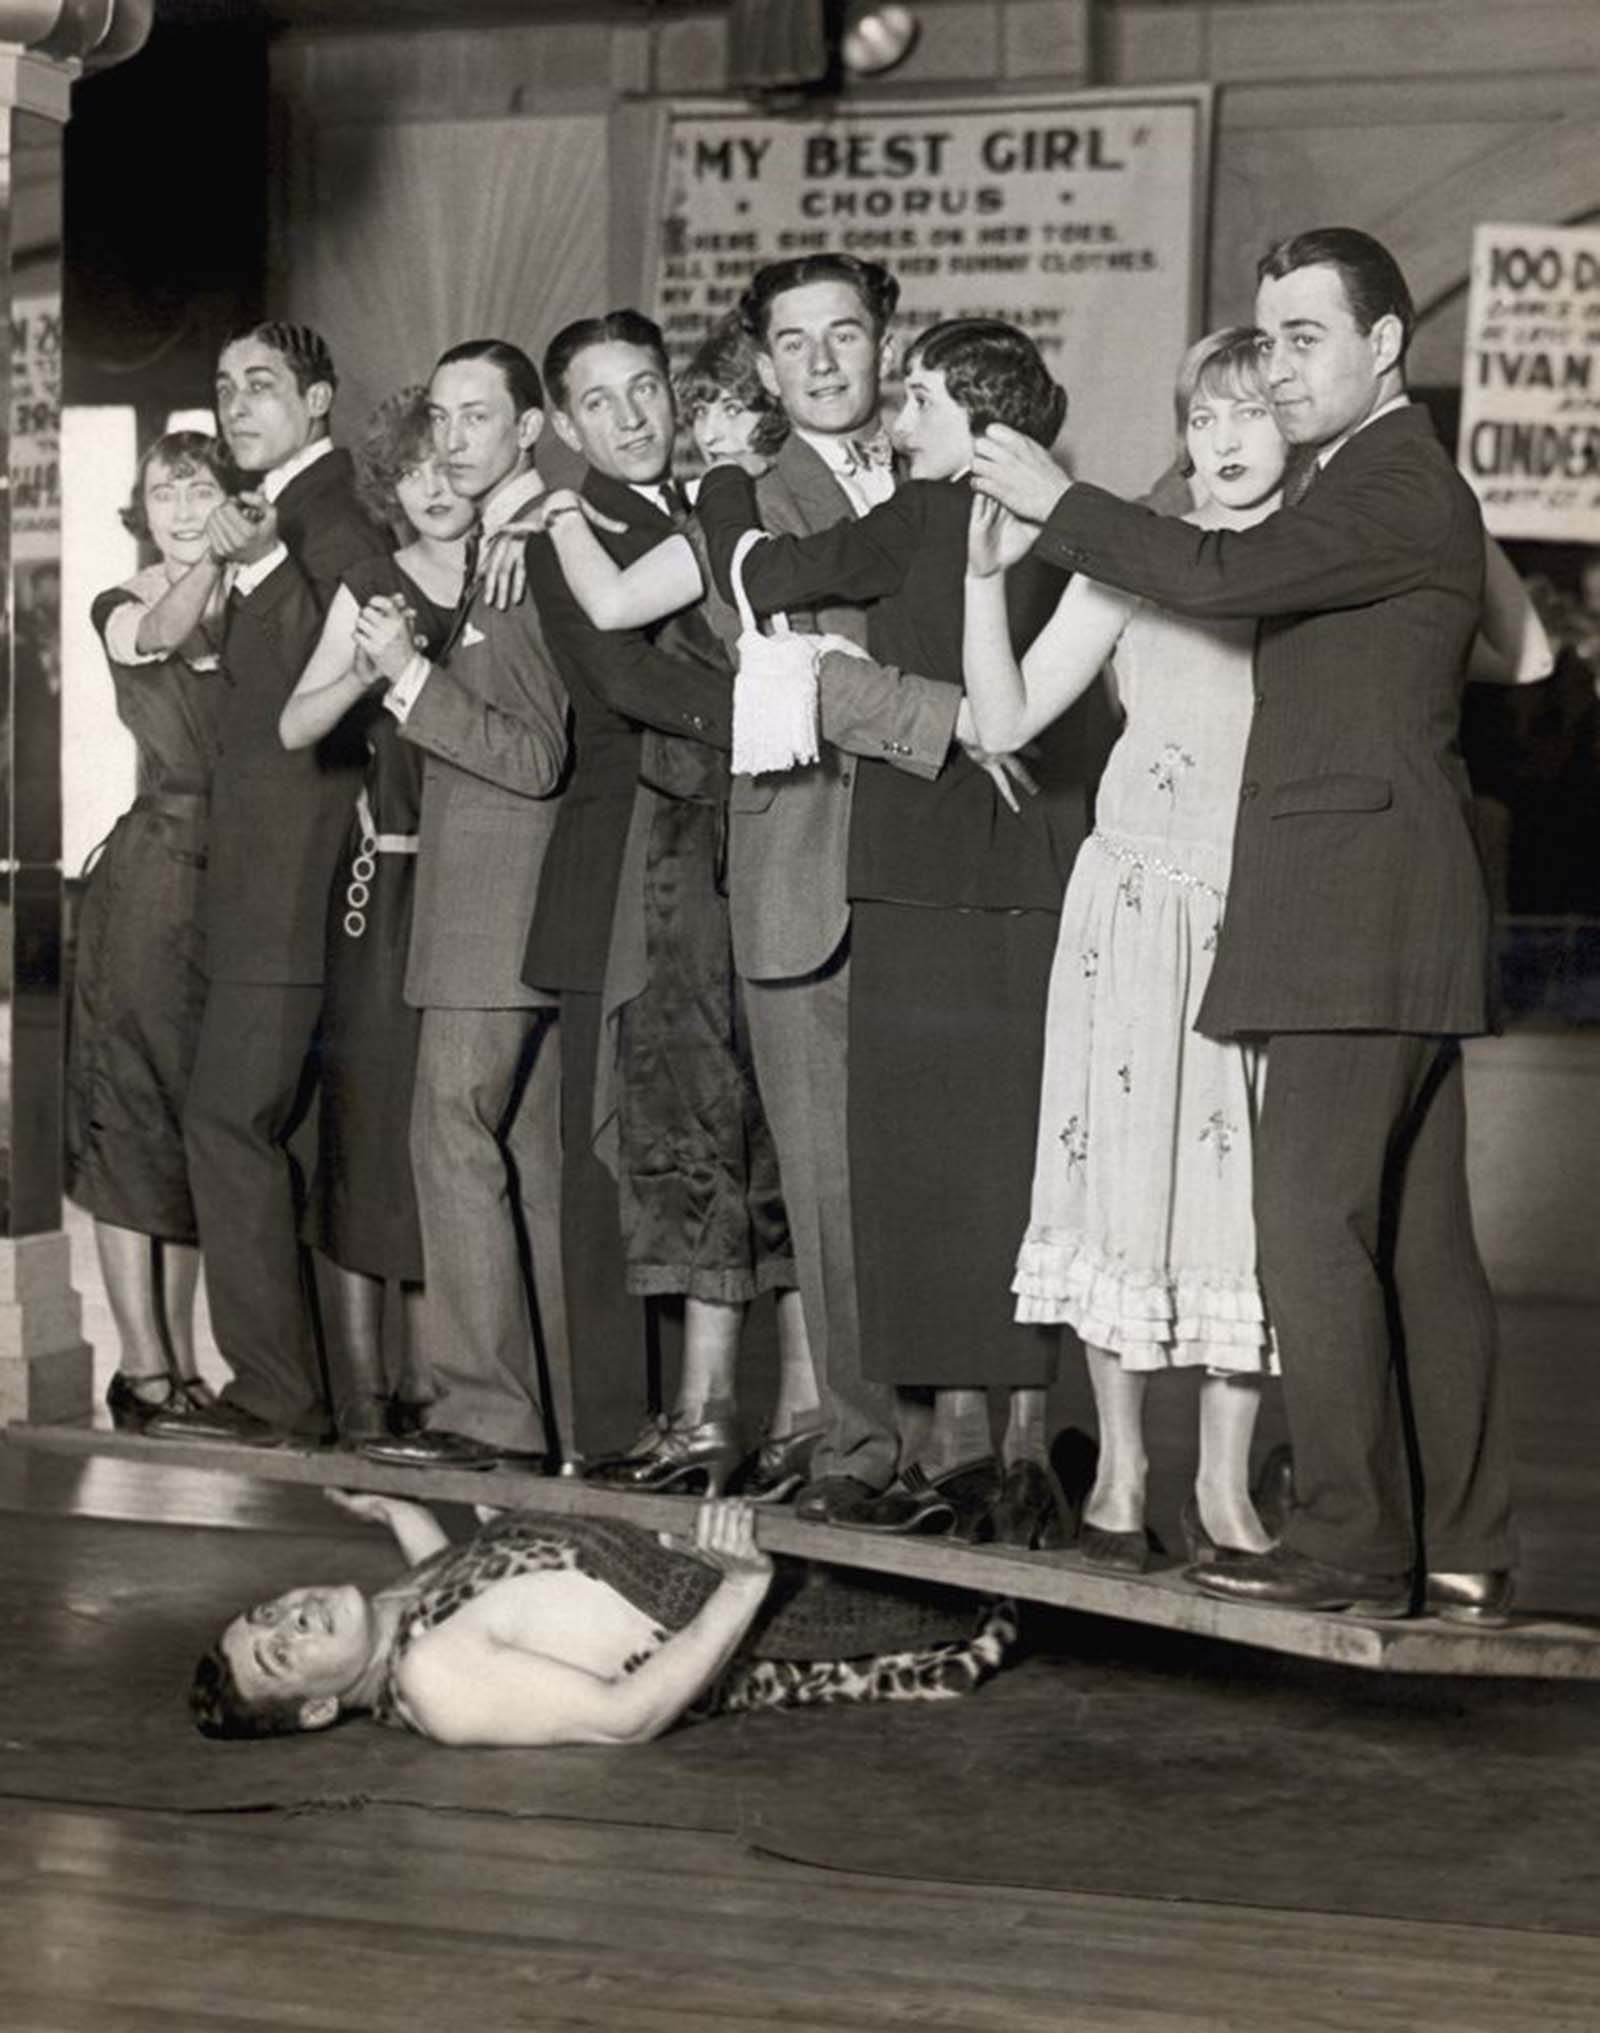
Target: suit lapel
{"points": [[816, 493]]}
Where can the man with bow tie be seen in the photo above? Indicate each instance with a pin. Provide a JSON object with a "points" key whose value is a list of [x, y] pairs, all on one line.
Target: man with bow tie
{"points": [[491, 716]]}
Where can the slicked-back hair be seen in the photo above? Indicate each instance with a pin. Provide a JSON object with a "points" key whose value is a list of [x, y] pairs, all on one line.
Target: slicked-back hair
{"points": [[724, 363], [183, 454], [521, 376], [996, 373], [615, 328], [398, 436], [1373, 285], [873, 284], [218, 1707], [303, 347]]}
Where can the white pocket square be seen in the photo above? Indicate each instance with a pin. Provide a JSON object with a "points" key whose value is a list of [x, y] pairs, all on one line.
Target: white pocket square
{"points": [[471, 635]]}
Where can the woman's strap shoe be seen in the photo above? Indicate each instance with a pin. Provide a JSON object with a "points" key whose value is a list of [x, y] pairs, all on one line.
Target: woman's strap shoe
{"points": [[694, 1459], [777, 1468]]}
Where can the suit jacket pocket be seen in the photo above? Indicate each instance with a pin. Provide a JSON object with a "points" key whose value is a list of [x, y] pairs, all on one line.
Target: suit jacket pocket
{"points": [[751, 794], [1332, 794]]}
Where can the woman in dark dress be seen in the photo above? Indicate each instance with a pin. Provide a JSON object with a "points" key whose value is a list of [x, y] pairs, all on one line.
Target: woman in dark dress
{"points": [[140, 982], [362, 1212], [955, 903]]}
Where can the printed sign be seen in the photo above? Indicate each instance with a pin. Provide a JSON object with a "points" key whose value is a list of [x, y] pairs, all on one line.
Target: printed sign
{"points": [[1078, 219], [1530, 382], [36, 427]]}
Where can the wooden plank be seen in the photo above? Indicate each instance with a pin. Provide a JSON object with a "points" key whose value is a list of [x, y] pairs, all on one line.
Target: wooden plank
{"points": [[1536, 1647]]}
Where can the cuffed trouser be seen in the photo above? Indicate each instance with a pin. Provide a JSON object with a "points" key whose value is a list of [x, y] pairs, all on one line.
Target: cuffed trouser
{"points": [[249, 1089], [486, 1156], [799, 1033], [1380, 1304]]}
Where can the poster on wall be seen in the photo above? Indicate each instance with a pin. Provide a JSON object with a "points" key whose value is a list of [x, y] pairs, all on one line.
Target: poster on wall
{"points": [[1530, 381], [36, 427], [1079, 218]]}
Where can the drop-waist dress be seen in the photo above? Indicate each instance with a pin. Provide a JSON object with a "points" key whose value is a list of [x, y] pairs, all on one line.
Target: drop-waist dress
{"points": [[362, 1207], [1141, 1233], [139, 987]]}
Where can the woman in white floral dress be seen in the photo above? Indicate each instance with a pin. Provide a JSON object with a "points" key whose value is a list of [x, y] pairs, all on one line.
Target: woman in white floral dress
{"points": [[1141, 1234]]}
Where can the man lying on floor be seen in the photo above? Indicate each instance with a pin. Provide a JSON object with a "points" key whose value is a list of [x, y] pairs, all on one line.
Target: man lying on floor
{"points": [[546, 1630]]}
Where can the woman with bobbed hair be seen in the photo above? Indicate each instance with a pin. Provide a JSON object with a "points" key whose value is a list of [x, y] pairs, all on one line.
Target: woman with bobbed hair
{"points": [[139, 987], [362, 1210]]}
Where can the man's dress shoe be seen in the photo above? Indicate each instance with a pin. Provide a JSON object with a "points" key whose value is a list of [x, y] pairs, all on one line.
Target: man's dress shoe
{"points": [[1285, 1579], [833, 1500], [191, 1418], [958, 1504], [1482, 1598], [433, 1447]]}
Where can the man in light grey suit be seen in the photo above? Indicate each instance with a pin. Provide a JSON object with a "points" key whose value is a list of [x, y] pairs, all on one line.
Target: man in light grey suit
{"points": [[819, 323], [485, 1129]]}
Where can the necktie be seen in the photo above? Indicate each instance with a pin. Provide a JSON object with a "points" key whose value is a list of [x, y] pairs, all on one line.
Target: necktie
{"points": [[675, 501], [1301, 482], [469, 586]]}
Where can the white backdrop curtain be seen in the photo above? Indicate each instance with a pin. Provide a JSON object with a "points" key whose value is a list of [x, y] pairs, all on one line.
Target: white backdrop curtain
{"points": [[403, 239]]}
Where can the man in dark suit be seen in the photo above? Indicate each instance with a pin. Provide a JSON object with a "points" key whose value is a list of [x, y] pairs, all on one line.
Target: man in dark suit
{"points": [[491, 716], [664, 689], [278, 820], [1356, 939]]}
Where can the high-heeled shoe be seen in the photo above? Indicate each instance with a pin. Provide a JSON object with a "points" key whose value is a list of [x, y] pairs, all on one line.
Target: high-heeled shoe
{"points": [[131, 1411], [777, 1468], [1118, 1552], [1026, 1512], [696, 1459], [1198, 1543], [1272, 1492]]}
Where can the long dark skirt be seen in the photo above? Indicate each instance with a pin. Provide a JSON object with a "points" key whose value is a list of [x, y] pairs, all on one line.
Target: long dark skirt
{"points": [[362, 1208], [702, 1211], [137, 1001], [947, 1015]]}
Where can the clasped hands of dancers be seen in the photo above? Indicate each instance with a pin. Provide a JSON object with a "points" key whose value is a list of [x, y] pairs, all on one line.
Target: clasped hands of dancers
{"points": [[597, 1020]]}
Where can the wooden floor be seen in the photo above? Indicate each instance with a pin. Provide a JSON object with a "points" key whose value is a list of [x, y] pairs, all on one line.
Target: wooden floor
{"points": [[387, 1920], [380, 1920]]}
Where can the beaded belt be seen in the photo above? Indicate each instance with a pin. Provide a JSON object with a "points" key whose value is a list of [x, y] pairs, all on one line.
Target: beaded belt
{"points": [[1133, 857], [364, 867]]}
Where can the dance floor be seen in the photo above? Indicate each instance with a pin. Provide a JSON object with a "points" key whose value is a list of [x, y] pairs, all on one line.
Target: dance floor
{"points": [[1132, 1829]]}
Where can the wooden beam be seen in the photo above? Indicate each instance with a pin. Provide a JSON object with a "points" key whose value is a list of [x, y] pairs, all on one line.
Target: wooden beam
{"points": [[1533, 1647]]}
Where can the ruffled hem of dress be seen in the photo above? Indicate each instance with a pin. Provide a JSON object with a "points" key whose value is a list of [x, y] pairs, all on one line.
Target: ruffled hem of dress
{"points": [[1149, 1320]]}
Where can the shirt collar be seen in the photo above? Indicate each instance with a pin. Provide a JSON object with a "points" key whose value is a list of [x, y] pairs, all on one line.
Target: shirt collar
{"points": [[1400, 401], [291, 469], [509, 500], [835, 452]]}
